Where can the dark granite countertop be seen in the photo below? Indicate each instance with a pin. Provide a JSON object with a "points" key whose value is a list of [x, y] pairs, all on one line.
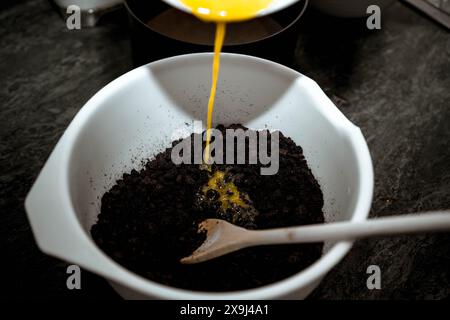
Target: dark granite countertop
{"points": [[394, 83]]}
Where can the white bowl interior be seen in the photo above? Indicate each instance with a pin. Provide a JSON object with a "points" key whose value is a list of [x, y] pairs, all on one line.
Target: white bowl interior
{"points": [[140, 117], [141, 113]]}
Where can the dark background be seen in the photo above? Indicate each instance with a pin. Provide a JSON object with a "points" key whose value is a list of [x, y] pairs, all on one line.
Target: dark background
{"points": [[394, 83]]}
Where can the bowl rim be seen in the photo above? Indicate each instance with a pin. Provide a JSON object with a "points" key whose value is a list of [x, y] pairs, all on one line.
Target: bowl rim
{"points": [[88, 255]]}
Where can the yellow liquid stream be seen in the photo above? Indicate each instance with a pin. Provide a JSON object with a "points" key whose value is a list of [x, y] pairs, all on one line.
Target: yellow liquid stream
{"points": [[220, 36], [221, 12]]}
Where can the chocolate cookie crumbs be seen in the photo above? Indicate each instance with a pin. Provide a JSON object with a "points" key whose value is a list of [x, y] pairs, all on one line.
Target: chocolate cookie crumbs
{"points": [[149, 220]]}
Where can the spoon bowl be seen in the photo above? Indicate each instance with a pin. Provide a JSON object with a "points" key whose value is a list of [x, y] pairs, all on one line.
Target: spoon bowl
{"points": [[221, 238]]}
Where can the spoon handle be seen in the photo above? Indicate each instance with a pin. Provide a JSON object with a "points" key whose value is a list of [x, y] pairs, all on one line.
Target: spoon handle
{"points": [[421, 222]]}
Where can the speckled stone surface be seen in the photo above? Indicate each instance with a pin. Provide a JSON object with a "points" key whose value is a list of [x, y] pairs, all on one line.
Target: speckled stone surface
{"points": [[394, 83]]}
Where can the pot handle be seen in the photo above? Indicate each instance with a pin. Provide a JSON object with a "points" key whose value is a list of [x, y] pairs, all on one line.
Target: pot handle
{"points": [[54, 223]]}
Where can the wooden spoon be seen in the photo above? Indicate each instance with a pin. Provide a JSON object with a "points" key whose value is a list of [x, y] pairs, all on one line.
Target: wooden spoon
{"points": [[223, 237]]}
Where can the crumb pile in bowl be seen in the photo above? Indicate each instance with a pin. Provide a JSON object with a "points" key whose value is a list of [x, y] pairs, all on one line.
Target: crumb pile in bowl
{"points": [[149, 220]]}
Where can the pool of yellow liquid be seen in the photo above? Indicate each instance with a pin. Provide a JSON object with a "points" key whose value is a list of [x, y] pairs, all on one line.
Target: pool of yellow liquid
{"points": [[227, 190]]}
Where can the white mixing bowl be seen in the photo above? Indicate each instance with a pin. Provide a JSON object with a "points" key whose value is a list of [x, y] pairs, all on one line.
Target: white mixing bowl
{"points": [[133, 118]]}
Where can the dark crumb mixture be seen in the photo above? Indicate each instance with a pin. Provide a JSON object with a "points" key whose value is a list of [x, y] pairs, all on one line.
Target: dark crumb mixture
{"points": [[149, 220]]}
